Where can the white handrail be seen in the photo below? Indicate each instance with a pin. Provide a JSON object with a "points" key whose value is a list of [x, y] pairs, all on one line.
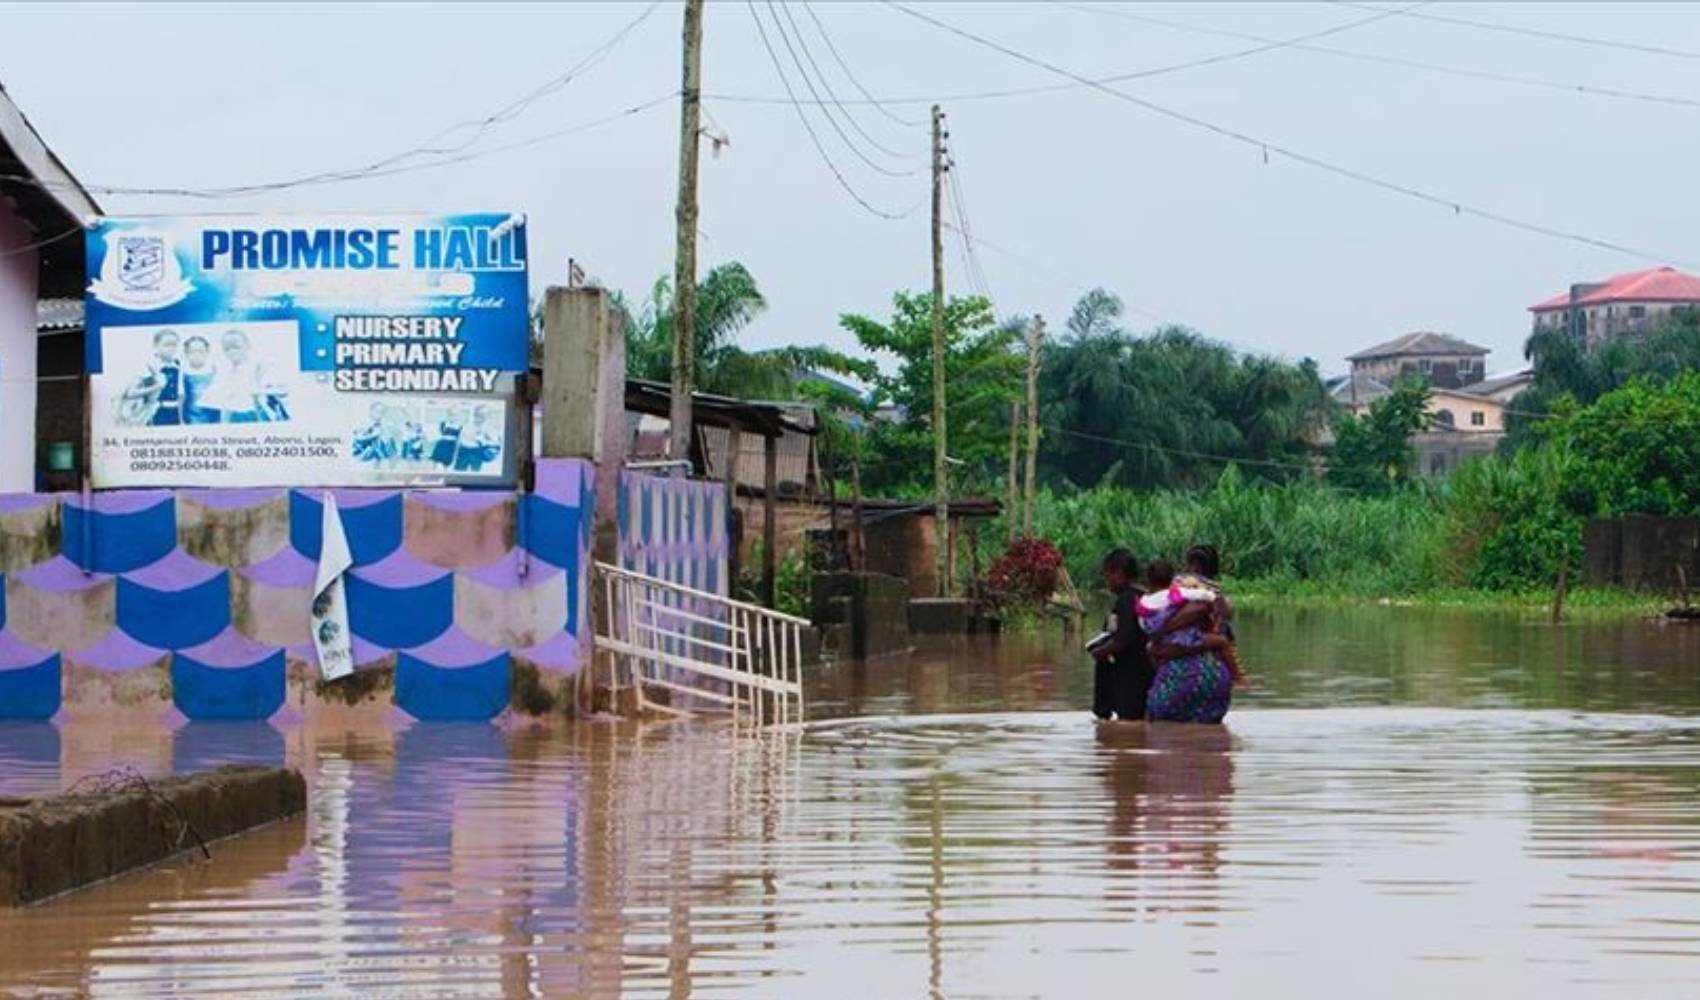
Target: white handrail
{"points": [[707, 648], [607, 570]]}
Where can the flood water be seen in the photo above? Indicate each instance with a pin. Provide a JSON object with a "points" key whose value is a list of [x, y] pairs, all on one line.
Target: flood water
{"points": [[1409, 802]]}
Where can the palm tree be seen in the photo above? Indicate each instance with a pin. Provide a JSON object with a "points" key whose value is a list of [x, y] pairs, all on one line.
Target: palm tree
{"points": [[728, 300]]}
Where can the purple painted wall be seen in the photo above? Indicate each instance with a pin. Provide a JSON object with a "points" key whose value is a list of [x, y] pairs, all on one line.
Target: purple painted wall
{"points": [[197, 600]]}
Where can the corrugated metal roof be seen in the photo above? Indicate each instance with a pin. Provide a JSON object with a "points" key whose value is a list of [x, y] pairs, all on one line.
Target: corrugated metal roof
{"points": [[58, 315], [1658, 284], [794, 454]]}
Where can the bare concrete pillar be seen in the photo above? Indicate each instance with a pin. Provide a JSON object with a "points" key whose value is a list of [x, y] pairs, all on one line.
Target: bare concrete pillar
{"points": [[584, 416], [584, 397]]}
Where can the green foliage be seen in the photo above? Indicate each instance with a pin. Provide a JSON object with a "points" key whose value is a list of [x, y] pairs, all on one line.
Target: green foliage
{"points": [[1152, 411], [792, 582], [1503, 524], [1513, 523], [728, 300], [1635, 451], [1566, 372], [1289, 532], [1372, 453], [983, 375]]}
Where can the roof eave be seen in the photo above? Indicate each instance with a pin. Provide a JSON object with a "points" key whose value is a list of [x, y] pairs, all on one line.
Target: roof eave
{"points": [[76, 206]]}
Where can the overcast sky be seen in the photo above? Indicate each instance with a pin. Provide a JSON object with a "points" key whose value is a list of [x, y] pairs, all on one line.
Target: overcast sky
{"points": [[1085, 188]]}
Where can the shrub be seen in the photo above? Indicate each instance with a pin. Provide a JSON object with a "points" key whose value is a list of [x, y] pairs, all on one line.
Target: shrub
{"points": [[1026, 575]]}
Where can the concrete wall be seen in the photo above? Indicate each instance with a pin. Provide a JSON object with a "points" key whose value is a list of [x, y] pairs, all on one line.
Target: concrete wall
{"points": [[18, 277], [196, 601], [1646, 553], [1443, 371], [1462, 410]]}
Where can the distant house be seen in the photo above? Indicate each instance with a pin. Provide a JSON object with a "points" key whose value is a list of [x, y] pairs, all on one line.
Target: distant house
{"points": [[1502, 389], [1466, 410], [1444, 361], [1623, 305]]}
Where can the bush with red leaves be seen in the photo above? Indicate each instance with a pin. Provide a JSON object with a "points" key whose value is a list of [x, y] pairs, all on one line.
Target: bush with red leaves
{"points": [[1026, 575]]}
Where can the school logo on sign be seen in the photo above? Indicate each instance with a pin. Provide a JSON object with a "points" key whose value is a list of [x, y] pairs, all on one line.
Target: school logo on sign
{"points": [[141, 262], [140, 271]]}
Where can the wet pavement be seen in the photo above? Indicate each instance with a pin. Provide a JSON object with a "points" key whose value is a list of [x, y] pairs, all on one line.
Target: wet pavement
{"points": [[1409, 802]]}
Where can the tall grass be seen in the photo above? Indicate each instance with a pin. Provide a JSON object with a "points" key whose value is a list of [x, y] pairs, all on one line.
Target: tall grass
{"points": [[1293, 533]]}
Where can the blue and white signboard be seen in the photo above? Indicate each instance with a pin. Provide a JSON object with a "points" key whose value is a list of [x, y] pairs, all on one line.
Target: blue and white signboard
{"points": [[305, 351]]}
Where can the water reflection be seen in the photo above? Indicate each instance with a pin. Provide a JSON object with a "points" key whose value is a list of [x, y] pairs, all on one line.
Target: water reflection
{"points": [[1168, 787], [1005, 854]]}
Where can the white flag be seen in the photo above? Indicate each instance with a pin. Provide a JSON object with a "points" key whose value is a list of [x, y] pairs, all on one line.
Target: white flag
{"points": [[330, 603]]}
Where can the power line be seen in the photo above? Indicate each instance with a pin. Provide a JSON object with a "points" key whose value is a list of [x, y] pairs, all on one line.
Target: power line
{"points": [[517, 107], [1298, 43], [245, 190], [1182, 452], [383, 166], [1400, 61], [1268, 147], [832, 120], [1139, 74], [820, 26], [1053, 274], [38, 244], [809, 127], [965, 230], [1556, 36], [831, 94]]}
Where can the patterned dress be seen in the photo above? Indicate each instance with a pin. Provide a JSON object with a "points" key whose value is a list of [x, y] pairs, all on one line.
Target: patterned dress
{"points": [[1197, 688]]}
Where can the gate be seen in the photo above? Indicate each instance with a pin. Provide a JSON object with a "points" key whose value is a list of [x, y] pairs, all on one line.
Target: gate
{"points": [[704, 650]]}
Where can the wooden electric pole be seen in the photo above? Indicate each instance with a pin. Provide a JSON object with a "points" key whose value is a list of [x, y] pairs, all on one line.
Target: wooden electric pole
{"points": [[685, 259], [1035, 341], [1013, 507], [941, 478]]}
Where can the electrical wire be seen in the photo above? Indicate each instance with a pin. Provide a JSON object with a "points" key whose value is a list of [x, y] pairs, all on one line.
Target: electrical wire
{"points": [[1268, 147], [820, 26], [481, 126], [1052, 273], [831, 94], [1555, 36], [1139, 74], [832, 120], [407, 168], [38, 244], [1400, 61], [809, 127], [1298, 43], [965, 230], [396, 162]]}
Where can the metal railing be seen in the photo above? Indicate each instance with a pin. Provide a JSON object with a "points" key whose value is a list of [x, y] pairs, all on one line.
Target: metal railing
{"points": [[704, 650]]}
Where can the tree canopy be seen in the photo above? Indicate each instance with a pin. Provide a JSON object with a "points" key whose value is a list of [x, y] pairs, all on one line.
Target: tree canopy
{"points": [[1566, 370], [728, 300], [1372, 451], [983, 374], [1169, 408]]}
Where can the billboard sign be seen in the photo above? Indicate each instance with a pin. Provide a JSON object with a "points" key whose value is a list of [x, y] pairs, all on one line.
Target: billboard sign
{"points": [[305, 351]]}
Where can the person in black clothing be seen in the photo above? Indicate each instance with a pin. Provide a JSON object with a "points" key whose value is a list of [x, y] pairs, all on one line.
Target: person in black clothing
{"points": [[1123, 673]]}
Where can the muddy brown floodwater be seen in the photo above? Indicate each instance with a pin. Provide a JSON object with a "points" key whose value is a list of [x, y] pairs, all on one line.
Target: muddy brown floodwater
{"points": [[1410, 804]]}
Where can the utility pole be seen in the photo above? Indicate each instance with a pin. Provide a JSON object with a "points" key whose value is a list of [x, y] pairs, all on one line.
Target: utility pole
{"points": [[941, 481], [685, 259], [1013, 508], [1035, 341]]}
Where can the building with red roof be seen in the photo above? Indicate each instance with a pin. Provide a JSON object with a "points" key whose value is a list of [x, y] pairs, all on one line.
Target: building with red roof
{"points": [[1623, 305]]}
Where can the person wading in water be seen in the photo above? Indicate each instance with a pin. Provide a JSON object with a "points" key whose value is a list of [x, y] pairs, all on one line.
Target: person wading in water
{"points": [[1121, 678]]}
